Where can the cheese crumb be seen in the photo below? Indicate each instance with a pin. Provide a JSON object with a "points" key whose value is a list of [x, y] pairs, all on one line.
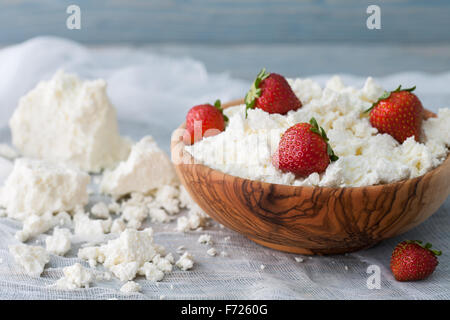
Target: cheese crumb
{"points": [[32, 258], [131, 287], [75, 276], [205, 239], [185, 262], [59, 243], [212, 252], [100, 210]]}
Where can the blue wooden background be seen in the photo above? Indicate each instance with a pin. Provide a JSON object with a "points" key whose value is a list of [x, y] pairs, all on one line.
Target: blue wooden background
{"points": [[227, 21]]}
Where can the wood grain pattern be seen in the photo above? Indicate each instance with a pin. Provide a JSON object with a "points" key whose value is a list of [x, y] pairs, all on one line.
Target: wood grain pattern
{"points": [[227, 21], [314, 220]]}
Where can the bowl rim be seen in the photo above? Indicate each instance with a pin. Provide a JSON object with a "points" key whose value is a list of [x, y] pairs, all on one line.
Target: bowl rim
{"points": [[233, 103]]}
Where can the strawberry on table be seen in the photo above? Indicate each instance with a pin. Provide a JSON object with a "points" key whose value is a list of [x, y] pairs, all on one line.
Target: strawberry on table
{"points": [[398, 113], [271, 93], [304, 149], [204, 120], [412, 261]]}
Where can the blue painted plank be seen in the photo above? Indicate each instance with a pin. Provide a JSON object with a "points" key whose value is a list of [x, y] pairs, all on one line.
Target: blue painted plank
{"points": [[227, 21]]}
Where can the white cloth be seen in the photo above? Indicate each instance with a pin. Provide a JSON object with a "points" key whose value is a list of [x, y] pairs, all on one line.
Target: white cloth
{"points": [[152, 94]]}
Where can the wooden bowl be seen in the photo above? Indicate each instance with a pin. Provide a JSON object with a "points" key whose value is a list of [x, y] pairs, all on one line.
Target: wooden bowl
{"points": [[312, 220]]}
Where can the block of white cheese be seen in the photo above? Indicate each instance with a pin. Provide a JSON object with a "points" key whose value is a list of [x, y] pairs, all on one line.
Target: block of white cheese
{"points": [[69, 120], [146, 169], [37, 187], [32, 258]]}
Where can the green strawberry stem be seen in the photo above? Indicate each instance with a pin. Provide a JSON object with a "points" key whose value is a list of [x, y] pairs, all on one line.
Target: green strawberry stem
{"points": [[255, 91], [425, 246], [387, 94], [321, 132], [218, 106]]}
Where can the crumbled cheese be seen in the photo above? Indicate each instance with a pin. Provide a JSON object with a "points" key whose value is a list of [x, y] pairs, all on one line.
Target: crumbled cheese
{"points": [[167, 198], [75, 276], [90, 228], [151, 272], [34, 225], [195, 219], [71, 121], [211, 252], [130, 287], [262, 267], [205, 239], [32, 258], [163, 263], [366, 157], [147, 168], [298, 259], [36, 186], [124, 256], [185, 262], [135, 214], [59, 243], [100, 210]]}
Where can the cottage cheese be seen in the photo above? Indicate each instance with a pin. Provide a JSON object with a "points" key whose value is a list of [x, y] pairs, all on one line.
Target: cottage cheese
{"points": [[147, 168], [34, 224], [75, 276], [59, 243], [69, 120], [37, 187], [32, 258], [185, 262], [130, 287], [366, 157], [124, 256]]}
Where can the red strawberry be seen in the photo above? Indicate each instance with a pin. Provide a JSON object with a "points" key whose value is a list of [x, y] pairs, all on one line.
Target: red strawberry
{"points": [[204, 120], [411, 261], [272, 93], [304, 149], [398, 113]]}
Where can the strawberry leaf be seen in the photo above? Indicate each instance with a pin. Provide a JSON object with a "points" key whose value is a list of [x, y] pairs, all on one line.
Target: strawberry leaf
{"points": [[255, 91], [218, 106], [425, 246], [321, 132], [387, 94]]}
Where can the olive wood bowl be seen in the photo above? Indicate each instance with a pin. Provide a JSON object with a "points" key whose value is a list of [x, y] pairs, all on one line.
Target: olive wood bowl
{"points": [[311, 220]]}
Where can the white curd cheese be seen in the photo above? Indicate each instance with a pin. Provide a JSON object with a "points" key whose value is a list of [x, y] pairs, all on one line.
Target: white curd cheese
{"points": [[146, 169], [59, 243], [185, 262], [34, 225], [366, 157], [127, 255], [36, 187], [32, 258], [69, 120], [75, 276], [130, 287]]}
